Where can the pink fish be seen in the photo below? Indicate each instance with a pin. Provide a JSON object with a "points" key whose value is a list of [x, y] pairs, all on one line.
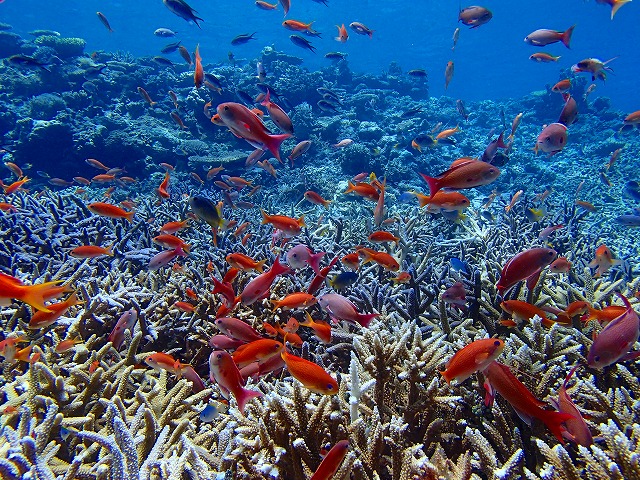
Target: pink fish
{"points": [[236, 328], [224, 342], [455, 295], [616, 339], [277, 115], [545, 233], [300, 256], [164, 258], [259, 287], [342, 309], [552, 139], [577, 429], [569, 112], [126, 322], [225, 373]]}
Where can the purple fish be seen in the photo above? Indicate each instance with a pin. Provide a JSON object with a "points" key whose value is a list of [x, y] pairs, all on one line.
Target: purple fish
{"points": [[616, 339], [126, 322], [236, 328], [164, 258], [223, 342], [342, 309], [455, 295], [300, 256]]}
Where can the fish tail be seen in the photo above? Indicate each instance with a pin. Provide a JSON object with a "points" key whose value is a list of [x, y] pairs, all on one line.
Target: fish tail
{"points": [[365, 319], [190, 374], [566, 36], [273, 144], [260, 266], [616, 6], [34, 295], [278, 269], [350, 187], [314, 262], [446, 376], [244, 395], [24, 355], [265, 217], [434, 184], [554, 421], [129, 215]]}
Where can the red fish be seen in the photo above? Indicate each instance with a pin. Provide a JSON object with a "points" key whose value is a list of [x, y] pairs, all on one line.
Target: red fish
{"points": [[277, 114], [198, 74], [245, 124], [90, 251], [498, 378], [577, 429], [544, 36], [111, 211], [455, 295], [474, 16], [42, 319], [552, 139], [259, 287], [224, 372], [331, 462], [604, 261], [472, 358], [525, 265], [163, 361], [257, 351], [522, 311]]}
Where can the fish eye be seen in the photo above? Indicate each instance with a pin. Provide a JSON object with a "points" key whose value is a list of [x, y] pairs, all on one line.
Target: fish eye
{"points": [[226, 108], [330, 387], [219, 356], [295, 255], [597, 358], [496, 343]]}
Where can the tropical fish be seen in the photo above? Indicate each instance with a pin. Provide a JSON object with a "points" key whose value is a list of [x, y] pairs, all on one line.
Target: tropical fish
{"points": [[614, 4], [522, 311], [474, 16], [472, 358], [597, 68], [383, 259], [332, 461], [183, 10], [277, 114], [126, 321], [455, 295], [544, 57], [577, 429], [298, 26], [257, 351], [525, 265], [310, 374], [498, 378], [343, 35], [294, 300], [560, 265], [104, 21], [111, 211], [466, 174], [33, 295], [615, 340], [302, 42], [162, 259], [224, 372], [361, 29], [543, 36], [339, 308], [244, 262], [91, 251], [552, 139], [41, 319], [342, 280], [290, 226], [259, 287], [448, 74], [603, 260]]}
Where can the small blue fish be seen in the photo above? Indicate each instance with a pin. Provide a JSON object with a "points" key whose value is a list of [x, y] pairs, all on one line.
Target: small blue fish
{"points": [[65, 433], [458, 265], [209, 414], [629, 220], [407, 197], [343, 280]]}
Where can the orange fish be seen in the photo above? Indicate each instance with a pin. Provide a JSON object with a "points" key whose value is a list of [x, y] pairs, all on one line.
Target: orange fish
{"points": [[402, 277], [466, 174], [257, 351], [320, 328], [604, 260], [606, 315], [245, 124], [560, 265], [7, 207], [443, 201], [310, 374], [288, 225], [522, 311], [295, 300], [103, 178], [472, 358], [173, 227], [171, 242], [382, 237], [297, 26], [343, 35], [10, 352], [365, 190], [198, 74], [351, 260], [184, 306], [33, 295], [43, 319], [244, 262], [66, 345], [111, 211], [91, 251], [562, 86], [316, 199], [15, 186], [383, 259]]}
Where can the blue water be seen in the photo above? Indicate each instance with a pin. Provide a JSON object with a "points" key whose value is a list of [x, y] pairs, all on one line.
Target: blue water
{"points": [[491, 62]]}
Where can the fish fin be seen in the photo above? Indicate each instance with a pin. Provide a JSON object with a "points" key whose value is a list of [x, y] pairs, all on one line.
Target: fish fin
{"points": [[273, 144], [365, 319], [265, 217], [533, 280], [314, 262], [554, 421], [34, 295], [566, 36], [24, 354], [446, 376], [244, 395], [490, 393]]}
